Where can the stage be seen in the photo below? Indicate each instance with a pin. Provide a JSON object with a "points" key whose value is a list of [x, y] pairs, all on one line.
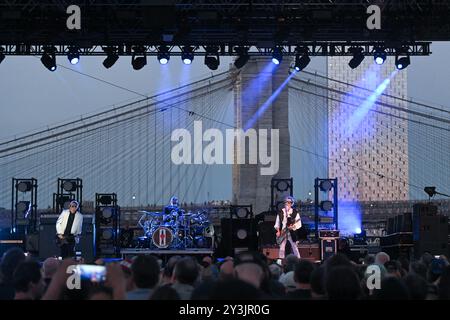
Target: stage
{"points": [[132, 251]]}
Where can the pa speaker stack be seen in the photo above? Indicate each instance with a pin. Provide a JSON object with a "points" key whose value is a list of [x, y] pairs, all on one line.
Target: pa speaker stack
{"points": [[430, 230]]}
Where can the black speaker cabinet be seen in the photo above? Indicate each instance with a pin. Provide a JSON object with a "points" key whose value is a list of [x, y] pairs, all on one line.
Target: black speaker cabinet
{"points": [[238, 234], [266, 234], [430, 231]]}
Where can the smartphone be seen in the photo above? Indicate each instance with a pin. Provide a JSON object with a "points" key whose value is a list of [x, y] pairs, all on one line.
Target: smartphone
{"points": [[93, 273]]}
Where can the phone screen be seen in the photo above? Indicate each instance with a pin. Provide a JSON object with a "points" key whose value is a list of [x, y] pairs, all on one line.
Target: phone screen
{"points": [[92, 273]]}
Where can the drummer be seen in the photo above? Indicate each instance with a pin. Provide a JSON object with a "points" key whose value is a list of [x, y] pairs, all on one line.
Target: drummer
{"points": [[173, 208]]}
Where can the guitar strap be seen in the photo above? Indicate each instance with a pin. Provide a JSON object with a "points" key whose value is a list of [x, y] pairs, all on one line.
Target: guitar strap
{"points": [[280, 217]]}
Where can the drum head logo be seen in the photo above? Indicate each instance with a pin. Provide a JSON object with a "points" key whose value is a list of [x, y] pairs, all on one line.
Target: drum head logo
{"points": [[162, 237]]}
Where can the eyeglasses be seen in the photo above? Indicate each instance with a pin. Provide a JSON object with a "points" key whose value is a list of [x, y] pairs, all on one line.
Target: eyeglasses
{"points": [[73, 206]]}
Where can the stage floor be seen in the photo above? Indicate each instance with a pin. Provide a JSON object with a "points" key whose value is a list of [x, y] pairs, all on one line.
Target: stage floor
{"points": [[124, 252]]}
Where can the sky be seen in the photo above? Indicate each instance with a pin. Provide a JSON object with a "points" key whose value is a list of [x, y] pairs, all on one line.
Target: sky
{"points": [[31, 97]]}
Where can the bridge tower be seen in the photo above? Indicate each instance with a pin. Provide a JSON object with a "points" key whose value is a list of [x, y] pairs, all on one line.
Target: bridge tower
{"points": [[255, 83]]}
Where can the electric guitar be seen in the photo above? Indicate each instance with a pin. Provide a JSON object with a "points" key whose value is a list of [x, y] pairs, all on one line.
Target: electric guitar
{"points": [[283, 234], [281, 238]]}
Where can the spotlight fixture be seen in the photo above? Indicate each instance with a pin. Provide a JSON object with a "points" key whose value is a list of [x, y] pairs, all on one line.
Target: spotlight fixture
{"points": [[403, 62], [73, 55], [301, 62], [243, 57], [358, 57], [212, 62], [23, 209], [212, 58], [277, 55], [24, 186], [70, 185], [431, 191], [326, 205], [2, 55], [48, 58], [325, 185], [380, 56], [111, 57], [163, 55], [187, 56], [138, 62]]}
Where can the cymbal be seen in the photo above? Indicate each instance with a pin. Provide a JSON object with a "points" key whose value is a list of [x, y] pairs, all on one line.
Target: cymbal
{"points": [[151, 213]]}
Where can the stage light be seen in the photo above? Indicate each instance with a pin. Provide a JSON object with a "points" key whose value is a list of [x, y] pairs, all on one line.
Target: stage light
{"points": [[358, 57], [107, 213], [431, 191], [212, 62], [2, 55], [24, 186], [358, 230], [64, 201], [187, 56], [163, 55], [105, 200], [73, 55], [48, 59], [301, 62], [138, 62], [23, 209], [380, 56], [69, 186], [242, 234], [402, 63], [243, 57], [325, 185], [360, 238], [326, 205], [111, 58], [277, 55], [107, 234]]}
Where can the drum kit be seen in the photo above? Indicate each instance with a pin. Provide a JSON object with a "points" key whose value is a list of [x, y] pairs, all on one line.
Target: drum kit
{"points": [[175, 229]]}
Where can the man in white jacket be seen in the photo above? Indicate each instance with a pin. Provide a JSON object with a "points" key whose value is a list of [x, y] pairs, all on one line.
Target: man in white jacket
{"points": [[68, 229]]}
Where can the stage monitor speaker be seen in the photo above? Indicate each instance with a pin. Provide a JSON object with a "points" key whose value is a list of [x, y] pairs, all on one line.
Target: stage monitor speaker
{"points": [[238, 235]]}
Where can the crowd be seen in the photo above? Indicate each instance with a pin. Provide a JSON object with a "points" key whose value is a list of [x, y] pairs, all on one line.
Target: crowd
{"points": [[248, 276]]}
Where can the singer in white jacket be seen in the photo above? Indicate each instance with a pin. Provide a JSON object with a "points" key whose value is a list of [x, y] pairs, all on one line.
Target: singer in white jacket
{"points": [[68, 229]]}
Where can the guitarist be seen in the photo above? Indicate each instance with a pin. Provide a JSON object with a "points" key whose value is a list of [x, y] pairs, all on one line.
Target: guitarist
{"points": [[287, 221], [68, 229]]}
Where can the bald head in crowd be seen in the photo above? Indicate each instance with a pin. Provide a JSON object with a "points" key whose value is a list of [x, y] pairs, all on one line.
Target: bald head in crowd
{"points": [[250, 273], [226, 270], [381, 258], [49, 267]]}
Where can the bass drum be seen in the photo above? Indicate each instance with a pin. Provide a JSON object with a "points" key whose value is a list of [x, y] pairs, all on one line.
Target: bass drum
{"points": [[162, 237]]}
